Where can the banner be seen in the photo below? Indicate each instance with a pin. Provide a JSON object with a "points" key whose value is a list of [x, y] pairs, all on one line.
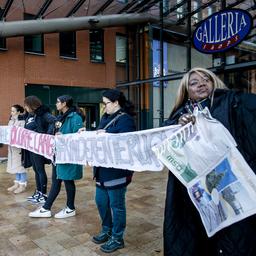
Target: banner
{"points": [[39, 143], [219, 181], [132, 151], [5, 132]]}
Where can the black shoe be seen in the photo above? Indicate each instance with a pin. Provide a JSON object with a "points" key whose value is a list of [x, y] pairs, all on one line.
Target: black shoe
{"points": [[101, 238], [112, 245]]}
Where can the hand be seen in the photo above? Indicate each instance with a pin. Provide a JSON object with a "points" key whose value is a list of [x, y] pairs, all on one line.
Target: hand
{"points": [[100, 131], [186, 118], [83, 129]]}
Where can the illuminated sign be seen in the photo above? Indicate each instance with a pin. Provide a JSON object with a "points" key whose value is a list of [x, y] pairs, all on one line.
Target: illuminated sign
{"points": [[222, 30]]}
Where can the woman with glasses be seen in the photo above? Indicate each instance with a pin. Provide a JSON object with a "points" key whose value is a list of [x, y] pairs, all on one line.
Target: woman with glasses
{"points": [[111, 183], [70, 120], [184, 233]]}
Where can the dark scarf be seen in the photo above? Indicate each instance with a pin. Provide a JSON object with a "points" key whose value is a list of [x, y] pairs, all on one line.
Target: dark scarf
{"points": [[62, 117]]}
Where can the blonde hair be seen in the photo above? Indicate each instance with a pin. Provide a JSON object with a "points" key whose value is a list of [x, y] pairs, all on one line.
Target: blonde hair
{"points": [[182, 94]]}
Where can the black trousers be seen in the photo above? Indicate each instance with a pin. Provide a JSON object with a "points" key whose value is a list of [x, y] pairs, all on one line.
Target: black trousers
{"points": [[40, 174], [55, 190]]}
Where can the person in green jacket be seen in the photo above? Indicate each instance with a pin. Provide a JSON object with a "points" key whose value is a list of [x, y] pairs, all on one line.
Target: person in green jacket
{"points": [[69, 121]]}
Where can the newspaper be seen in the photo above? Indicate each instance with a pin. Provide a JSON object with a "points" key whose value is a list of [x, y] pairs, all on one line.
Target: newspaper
{"points": [[205, 159]]}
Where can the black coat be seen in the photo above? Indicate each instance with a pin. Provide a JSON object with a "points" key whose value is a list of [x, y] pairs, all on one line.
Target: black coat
{"points": [[41, 121], [124, 123], [184, 234]]}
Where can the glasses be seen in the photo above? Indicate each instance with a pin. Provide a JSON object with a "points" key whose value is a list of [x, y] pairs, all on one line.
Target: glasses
{"points": [[196, 82], [106, 103]]}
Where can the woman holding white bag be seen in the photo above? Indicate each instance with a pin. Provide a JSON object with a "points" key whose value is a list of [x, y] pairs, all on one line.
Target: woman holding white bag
{"points": [[184, 233]]}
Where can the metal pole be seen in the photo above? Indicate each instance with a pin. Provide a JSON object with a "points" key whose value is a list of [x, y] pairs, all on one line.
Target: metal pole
{"points": [[161, 73], [138, 39], [42, 26], [189, 35]]}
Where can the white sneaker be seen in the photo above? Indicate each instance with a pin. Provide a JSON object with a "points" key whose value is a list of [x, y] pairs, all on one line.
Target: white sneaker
{"points": [[40, 213], [65, 213]]}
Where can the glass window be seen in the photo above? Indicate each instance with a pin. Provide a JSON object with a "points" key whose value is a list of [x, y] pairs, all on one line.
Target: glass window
{"points": [[33, 43], [121, 46], [165, 6], [97, 45], [180, 10], [2, 43], [68, 44], [244, 80]]}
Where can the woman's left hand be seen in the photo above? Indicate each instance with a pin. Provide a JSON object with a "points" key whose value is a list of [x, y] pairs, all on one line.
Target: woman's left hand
{"points": [[186, 118], [100, 131]]}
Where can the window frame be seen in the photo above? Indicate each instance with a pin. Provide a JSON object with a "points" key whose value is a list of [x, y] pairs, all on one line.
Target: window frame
{"points": [[93, 55], [40, 37], [68, 55]]}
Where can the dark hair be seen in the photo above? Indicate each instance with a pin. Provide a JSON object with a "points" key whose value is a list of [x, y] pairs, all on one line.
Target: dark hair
{"points": [[116, 95], [18, 107], [70, 104], [33, 102], [66, 98]]}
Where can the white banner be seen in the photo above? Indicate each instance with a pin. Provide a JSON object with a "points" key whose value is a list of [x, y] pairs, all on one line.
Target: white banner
{"points": [[5, 133], [132, 151], [205, 159], [39, 143]]}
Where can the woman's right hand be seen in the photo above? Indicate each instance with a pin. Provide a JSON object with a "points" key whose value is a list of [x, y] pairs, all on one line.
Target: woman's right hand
{"points": [[83, 129], [100, 131], [186, 118]]}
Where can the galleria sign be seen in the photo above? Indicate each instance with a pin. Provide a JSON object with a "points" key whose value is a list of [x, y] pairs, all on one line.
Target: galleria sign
{"points": [[222, 31]]}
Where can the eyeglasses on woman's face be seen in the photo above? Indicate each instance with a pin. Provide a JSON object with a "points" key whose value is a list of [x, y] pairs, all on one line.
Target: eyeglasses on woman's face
{"points": [[106, 103]]}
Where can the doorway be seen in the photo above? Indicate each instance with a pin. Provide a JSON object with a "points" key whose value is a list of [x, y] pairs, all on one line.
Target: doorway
{"points": [[91, 112]]}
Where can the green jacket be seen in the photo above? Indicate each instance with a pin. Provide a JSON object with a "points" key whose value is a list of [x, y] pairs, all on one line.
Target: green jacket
{"points": [[72, 124]]}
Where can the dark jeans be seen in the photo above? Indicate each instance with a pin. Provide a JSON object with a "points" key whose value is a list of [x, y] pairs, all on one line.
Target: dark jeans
{"points": [[55, 190], [112, 210], [40, 174]]}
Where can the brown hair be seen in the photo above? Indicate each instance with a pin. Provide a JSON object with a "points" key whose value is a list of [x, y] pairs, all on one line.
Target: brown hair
{"points": [[33, 102]]}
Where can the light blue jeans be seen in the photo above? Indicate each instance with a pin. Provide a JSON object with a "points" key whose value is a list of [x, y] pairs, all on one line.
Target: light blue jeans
{"points": [[112, 210], [21, 177]]}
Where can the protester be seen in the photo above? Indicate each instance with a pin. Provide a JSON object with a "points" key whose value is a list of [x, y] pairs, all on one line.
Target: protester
{"points": [[69, 121], [111, 183], [14, 164], [39, 120], [184, 233]]}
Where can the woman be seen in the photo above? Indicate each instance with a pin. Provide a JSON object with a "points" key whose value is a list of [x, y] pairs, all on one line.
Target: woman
{"points": [[70, 121], [14, 164], [111, 183], [39, 120], [184, 233]]}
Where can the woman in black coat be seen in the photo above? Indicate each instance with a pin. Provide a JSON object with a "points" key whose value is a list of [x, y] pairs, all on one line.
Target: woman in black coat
{"points": [[39, 120], [184, 233]]}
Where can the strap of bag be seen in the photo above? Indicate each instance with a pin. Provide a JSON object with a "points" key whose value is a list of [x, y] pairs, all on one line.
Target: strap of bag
{"points": [[113, 120]]}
